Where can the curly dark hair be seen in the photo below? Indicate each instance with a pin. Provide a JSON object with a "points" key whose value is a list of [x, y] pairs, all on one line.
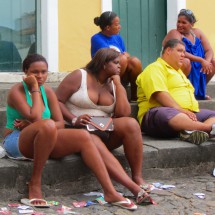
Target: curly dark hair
{"points": [[31, 58]]}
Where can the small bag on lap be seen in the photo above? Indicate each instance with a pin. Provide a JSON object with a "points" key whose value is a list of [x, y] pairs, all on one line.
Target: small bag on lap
{"points": [[100, 123]]}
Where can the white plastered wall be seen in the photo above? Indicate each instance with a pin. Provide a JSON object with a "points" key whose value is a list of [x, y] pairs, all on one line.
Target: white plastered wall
{"points": [[106, 5], [49, 32], [173, 8]]}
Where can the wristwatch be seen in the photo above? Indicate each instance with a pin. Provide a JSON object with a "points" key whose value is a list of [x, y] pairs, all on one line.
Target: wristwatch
{"points": [[74, 121]]}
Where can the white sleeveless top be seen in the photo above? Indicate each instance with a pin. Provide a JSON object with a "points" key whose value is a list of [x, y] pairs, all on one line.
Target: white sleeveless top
{"points": [[79, 103]]}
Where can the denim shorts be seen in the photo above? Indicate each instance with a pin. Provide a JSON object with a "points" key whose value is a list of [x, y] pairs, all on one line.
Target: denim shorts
{"points": [[11, 145]]}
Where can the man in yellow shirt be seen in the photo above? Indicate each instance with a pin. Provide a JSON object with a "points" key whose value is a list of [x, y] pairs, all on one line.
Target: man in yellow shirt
{"points": [[167, 105]]}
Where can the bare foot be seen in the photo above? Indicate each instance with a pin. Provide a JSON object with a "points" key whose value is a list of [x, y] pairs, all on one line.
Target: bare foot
{"points": [[143, 184], [113, 197], [207, 97], [34, 190], [138, 180]]}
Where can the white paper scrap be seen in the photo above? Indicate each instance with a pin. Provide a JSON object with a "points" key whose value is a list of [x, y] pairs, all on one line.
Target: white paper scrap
{"points": [[165, 186], [94, 194], [199, 195], [26, 211], [23, 207]]}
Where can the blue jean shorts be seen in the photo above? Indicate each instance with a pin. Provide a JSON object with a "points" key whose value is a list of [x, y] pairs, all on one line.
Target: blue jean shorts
{"points": [[11, 145]]}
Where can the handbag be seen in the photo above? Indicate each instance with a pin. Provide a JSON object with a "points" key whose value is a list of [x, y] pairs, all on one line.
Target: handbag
{"points": [[100, 123]]}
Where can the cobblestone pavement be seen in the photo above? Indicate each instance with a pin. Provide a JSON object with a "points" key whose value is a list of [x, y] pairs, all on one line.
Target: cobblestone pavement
{"points": [[175, 201]]}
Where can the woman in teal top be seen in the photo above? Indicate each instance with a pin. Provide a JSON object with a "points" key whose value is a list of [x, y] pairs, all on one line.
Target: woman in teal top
{"points": [[35, 130], [13, 114]]}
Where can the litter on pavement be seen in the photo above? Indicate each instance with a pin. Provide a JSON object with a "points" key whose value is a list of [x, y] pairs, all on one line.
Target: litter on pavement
{"points": [[199, 195], [94, 194]]}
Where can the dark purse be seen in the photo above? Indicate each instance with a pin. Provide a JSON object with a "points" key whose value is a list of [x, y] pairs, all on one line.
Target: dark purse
{"points": [[100, 123]]}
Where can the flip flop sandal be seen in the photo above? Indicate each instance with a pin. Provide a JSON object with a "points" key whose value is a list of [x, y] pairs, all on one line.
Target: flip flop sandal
{"points": [[143, 196], [126, 204], [147, 187], [29, 202]]}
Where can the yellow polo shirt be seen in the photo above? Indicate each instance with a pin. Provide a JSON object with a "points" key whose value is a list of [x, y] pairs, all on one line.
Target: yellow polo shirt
{"points": [[160, 76]]}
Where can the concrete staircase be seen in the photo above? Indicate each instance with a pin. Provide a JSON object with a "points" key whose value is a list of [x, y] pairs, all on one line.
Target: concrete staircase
{"points": [[163, 158]]}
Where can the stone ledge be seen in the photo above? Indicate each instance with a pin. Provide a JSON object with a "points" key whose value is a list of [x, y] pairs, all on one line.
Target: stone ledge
{"points": [[162, 159], [14, 77]]}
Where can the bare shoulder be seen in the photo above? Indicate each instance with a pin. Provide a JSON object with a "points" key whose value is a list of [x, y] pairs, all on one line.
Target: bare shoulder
{"points": [[73, 77], [172, 34], [197, 32], [15, 89], [15, 93], [70, 84]]}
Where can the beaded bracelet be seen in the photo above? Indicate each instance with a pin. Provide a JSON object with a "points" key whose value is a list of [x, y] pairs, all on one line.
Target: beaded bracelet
{"points": [[34, 91]]}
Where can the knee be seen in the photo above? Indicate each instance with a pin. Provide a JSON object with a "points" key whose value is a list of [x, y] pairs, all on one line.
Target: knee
{"points": [[131, 126], [134, 126], [86, 139], [123, 62], [135, 65], [186, 67], [48, 126], [135, 61]]}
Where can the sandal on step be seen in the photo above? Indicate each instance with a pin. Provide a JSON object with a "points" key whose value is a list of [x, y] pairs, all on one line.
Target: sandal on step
{"points": [[143, 196], [127, 204]]}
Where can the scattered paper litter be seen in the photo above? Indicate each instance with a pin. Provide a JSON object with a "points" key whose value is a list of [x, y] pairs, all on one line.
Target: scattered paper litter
{"points": [[13, 205], [26, 211], [79, 204], [199, 195], [4, 210], [94, 194], [157, 184], [66, 210], [101, 200], [37, 213], [23, 207], [166, 187]]}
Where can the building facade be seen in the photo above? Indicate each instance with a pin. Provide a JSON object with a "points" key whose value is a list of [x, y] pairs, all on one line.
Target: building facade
{"points": [[61, 29]]}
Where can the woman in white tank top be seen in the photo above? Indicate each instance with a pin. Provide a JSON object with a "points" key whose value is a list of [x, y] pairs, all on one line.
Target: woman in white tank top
{"points": [[96, 90]]}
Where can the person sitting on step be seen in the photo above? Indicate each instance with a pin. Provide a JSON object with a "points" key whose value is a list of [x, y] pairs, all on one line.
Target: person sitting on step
{"points": [[35, 130], [96, 90], [109, 37], [167, 105], [199, 61]]}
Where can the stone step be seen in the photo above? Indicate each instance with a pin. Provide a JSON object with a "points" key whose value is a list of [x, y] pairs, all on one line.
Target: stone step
{"points": [[211, 89], [2, 120], [162, 159], [5, 87], [207, 104]]}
